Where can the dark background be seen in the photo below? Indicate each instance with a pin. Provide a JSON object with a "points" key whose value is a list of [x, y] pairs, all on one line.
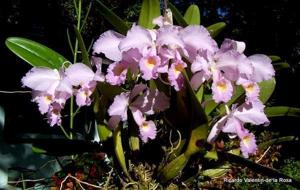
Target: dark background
{"points": [[268, 27]]}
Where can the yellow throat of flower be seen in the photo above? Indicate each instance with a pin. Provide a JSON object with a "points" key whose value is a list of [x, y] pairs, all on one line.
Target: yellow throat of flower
{"points": [[178, 69], [145, 126], [250, 87], [48, 99], [222, 86], [150, 63], [247, 140]]}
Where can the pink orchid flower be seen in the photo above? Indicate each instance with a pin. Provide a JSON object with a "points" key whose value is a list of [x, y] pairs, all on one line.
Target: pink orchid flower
{"points": [[148, 103], [233, 123]]}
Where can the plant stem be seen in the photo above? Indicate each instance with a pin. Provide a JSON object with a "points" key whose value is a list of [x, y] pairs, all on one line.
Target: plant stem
{"points": [[71, 116], [65, 133], [23, 182], [78, 16]]}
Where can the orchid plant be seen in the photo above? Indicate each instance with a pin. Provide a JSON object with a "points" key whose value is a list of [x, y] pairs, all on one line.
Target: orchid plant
{"points": [[152, 78]]}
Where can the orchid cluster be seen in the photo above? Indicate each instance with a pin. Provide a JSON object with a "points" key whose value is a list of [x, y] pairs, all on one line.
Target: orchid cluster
{"points": [[52, 88], [164, 54]]}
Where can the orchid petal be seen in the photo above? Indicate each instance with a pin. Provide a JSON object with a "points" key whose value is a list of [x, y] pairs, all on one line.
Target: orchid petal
{"points": [[137, 37], [229, 44], [263, 69], [147, 131], [228, 62], [137, 89], [42, 79], [151, 101], [251, 113], [222, 89], [248, 143], [175, 75], [149, 66], [169, 36], [138, 116], [79, 74], [216, 129], [108, 44], [54, 116], [197, 79], [116, 73], [114, 121], [232, 125], [196, 37], [43, 100], [119, 106]]}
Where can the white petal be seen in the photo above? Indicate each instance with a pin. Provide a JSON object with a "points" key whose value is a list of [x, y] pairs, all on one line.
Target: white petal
{"points": [[216, 129], [263, 69], [108, 44], [137, 37], [251, 113], [197, 37], [79, 74], [42, 79], [120, 106]]}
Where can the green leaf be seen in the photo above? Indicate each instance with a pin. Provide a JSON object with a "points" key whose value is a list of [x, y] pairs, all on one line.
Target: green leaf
{"points": [[150, 10], [278, 111], [192, 15], [103, 132], [222, 170], [177, 15], [118, 147], [266, 89], [112, 18], [38, 150], [172, 169], [199, 127], [197, 139], [134, 143], [35, 53], [266, 144], [210, 105], [84, 52], [216, 28], [281, 65], [199, 94], [274, 58], [216, 172], [211, 155], [133, 140], [200, 116]]}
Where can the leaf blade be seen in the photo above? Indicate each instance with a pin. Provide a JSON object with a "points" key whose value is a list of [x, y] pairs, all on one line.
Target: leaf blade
{"points": [[177, 15], [112, 18], [150, 10], [192, 15], [34, 53], [267, 88], [278, 111], [84, 52], [216, 28]]}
